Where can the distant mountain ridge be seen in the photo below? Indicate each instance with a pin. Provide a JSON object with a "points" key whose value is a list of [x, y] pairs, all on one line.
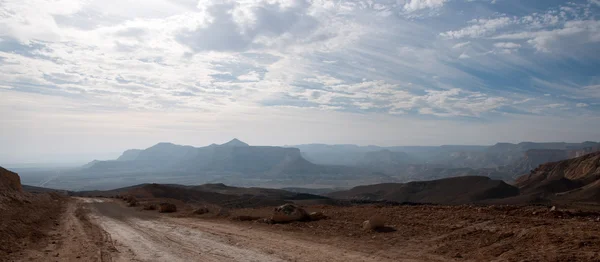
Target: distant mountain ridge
{"points": [[234, 162], [233, 156], [504, 160]]}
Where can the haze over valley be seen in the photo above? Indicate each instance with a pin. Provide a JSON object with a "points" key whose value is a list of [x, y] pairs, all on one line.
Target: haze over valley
{"points": [[299, 130], [310, 166]]}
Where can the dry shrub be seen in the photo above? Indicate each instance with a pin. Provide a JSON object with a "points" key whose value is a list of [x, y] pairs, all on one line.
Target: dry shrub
{"points": [[201, 211], [149, 207], [132, 201], [167, 208], [246, 218]]}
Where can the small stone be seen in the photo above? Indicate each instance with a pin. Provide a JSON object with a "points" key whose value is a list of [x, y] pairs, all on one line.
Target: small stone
{"points": [[553, 209]]}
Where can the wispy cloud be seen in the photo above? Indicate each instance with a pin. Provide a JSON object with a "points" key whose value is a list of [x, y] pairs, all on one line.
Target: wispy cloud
{"points": [[412, 59]]}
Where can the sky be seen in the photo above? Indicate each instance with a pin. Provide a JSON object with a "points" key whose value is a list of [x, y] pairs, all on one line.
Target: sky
{"points": [[82, 80]]}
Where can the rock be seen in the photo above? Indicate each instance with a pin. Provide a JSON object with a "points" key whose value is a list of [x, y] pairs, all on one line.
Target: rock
{"points": [[167, 208], [289, 213], [200, 211], [10, 181], [314, 216], [374, 223], [553, 209]]}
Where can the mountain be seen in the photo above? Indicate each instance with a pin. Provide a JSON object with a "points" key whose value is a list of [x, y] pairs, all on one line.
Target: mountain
{"points": [[234, 163], [456, 190], [234, 156], [353, 155], [504, 161], [576, 179], [90, 164], [129, 155], [235, 143]]}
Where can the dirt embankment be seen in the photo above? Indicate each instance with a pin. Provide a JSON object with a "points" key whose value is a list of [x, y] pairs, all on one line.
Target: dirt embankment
{"points": [[24, 218], [25, 221], [10, 182], [72, 237]]}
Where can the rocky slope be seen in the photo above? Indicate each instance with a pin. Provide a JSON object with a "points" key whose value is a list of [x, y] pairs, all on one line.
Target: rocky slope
{"points": [[456, 190], [576, 179]]}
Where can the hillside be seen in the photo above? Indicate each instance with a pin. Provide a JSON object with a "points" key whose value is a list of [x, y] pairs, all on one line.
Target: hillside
{"points": [[23, 216], [208, 194], [456, 190], [576, 179]]}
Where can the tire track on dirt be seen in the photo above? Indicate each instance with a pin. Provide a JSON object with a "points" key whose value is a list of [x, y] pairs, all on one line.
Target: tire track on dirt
{"points": [[144, 236]]}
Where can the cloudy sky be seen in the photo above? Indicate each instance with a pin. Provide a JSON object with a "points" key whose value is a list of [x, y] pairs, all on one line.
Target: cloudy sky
{"points": [[88, 79]]}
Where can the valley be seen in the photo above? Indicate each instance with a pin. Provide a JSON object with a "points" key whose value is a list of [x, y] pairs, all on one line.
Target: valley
{"points": [[313, 166], [551, 213]]}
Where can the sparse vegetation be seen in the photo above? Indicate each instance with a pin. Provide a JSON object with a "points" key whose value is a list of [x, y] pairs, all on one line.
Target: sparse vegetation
{"points": [[167, 208]]}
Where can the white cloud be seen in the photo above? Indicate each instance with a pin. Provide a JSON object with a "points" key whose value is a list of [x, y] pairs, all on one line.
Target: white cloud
{"points": [[251, 76], [587, 31], [461, 45], [582, 105], [554, 105], [480, 27], [507, 45], [415, 5], [294, 57]]}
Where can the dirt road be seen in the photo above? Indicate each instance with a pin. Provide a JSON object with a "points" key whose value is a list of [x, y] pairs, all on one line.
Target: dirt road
{"points": [[106, 230], [95, 229]]}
